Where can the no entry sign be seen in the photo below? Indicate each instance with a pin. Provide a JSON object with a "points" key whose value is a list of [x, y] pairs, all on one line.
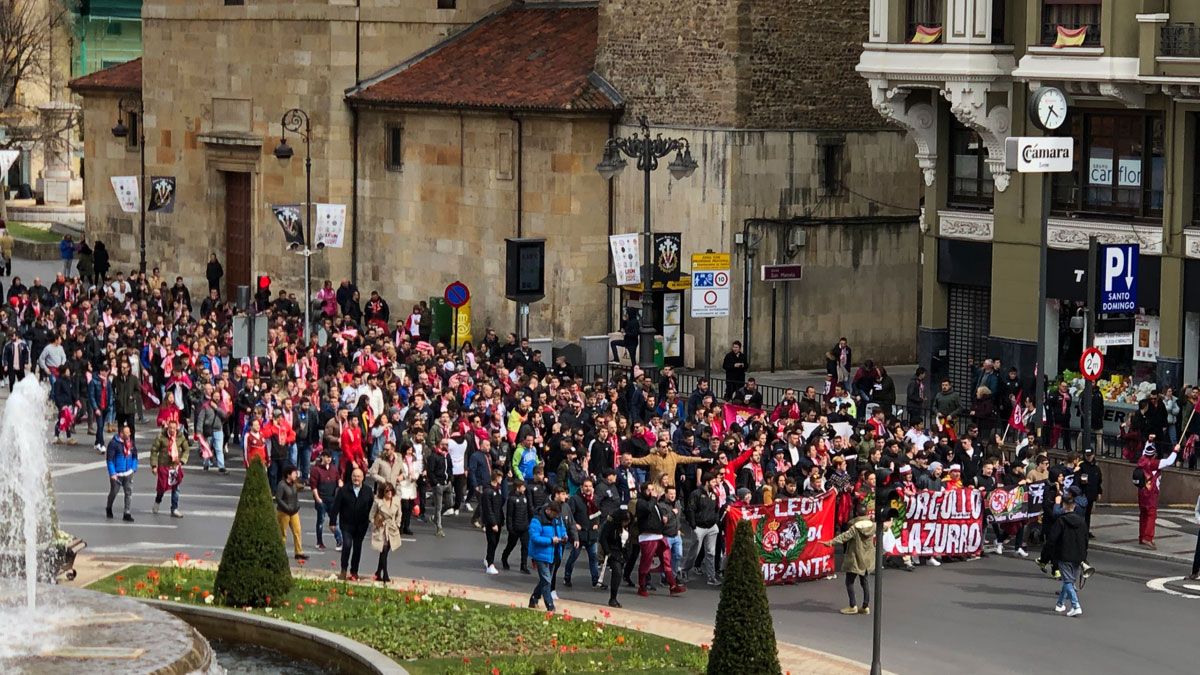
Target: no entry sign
{"points": [[1091, 364], [457, 294]]}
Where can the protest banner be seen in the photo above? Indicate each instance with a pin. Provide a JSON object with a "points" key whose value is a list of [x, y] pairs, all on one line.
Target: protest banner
{"points": [[937, 523], [788, 534], [843, 429], [1011, 505]]}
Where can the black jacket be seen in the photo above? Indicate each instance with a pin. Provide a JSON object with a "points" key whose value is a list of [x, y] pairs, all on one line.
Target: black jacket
{"points": [[610, 543], [518, 512], [1069, 535], [1090, 480], [702, 509], [589, 524], [491, 506], [650, 515], [438, 468], [353, 513], [608, 498]]}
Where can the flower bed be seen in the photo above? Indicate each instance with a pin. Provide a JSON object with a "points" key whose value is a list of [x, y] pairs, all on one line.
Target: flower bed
{"points": [[437, 634]]}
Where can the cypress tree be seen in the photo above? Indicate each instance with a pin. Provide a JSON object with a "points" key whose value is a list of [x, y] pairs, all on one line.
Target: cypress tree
{"points": [[744, 635], [254, 565]]}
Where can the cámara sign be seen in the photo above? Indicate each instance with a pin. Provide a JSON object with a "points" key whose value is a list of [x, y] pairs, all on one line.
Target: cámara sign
{"points": [[1049, 154]]}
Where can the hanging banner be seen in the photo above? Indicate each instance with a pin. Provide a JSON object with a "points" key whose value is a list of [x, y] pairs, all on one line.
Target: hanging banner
{"points": [[667, 247], [739, 414], [1011, 505], [626, 262], [128, 195], [7, 158], [843, 429], [291, 222], [1145, 338], [330, 226], [937, 523], [788, 535], [162, 194]]}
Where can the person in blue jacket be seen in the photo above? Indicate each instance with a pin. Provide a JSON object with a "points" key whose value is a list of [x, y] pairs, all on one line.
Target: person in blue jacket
{"points": [[122, 460], [546, 534]]}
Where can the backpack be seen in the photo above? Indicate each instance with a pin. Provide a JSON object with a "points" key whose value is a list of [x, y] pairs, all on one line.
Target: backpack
{"points": [[1139, 477]]}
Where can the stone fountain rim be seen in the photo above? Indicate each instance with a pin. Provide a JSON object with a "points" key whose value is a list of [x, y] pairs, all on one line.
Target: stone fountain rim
{"points": [[375, 661]]}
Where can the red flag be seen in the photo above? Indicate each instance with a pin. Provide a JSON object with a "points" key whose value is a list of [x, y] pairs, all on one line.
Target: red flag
{"points": [[739, 414], [205, 449], [1017, 420], [150, 399]]}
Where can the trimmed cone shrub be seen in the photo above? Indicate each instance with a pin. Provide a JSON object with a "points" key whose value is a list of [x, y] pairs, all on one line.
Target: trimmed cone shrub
{"points": [[744, 635], [254, 566]]}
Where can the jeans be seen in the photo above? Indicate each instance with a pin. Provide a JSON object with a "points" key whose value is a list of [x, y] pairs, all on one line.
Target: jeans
{"points": [[322, 512], [1070, 571], [100, 417], [862, 580], [275, 472], [676, 544], [493, 540], [593, 562], [217, 442], [706, 539], [292, 454], [442, 494], [126, 483], [1196, 557], [174, 498], [542, 590], [303, 460]]}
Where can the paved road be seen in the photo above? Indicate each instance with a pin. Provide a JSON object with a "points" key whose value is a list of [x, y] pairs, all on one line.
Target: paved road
{"points": [[991, 616]]}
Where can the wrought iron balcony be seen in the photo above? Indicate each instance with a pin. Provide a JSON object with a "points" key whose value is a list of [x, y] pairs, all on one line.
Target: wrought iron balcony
{"points": [[1181, 39]]}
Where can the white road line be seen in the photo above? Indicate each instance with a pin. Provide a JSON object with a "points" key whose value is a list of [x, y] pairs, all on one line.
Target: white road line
{"points": [[105, 494], [1161, 585], [114, 524], [146, 546], [78, 468], [207, 514]]}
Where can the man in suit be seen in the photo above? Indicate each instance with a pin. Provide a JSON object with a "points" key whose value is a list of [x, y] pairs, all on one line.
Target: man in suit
{"points": [[352, 505]]}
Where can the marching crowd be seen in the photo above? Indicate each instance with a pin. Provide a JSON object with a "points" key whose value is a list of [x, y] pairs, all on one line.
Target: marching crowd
{"points": [[389, 430]]}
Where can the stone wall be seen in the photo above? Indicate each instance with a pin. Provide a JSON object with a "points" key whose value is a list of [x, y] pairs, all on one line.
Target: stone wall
{"points": [[739, 63], [107, 156], [445, 214], [860, 278]]}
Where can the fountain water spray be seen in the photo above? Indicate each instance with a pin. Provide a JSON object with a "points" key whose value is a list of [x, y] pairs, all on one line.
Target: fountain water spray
{"points": [[25, 485]]}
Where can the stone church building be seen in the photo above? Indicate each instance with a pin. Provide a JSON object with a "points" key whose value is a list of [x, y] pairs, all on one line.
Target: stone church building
{"points": [[446, 126]]}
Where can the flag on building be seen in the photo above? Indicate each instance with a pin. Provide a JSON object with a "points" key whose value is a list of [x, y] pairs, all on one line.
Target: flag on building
{"points": [[1071, 37], [927, 35], [162, 194], [128, 195], [291, 222]]}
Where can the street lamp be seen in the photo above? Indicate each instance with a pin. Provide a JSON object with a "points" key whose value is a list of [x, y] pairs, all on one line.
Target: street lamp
{"points": [[647, 150], [296, 120], [133, 106]]}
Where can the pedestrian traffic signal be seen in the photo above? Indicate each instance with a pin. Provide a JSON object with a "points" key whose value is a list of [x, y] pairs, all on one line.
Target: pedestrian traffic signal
{"points": [[264, 282]]}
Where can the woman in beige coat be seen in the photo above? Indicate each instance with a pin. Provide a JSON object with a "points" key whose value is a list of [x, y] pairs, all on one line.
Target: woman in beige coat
{"points": [[385, 528], [411, 468]]}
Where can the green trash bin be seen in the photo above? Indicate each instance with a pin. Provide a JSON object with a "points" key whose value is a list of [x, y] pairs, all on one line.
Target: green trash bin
{"points": [[658, 352], [442, 319]]}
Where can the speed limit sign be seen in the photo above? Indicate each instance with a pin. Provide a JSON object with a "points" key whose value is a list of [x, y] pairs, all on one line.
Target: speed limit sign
{"points": [[1091, 364]]}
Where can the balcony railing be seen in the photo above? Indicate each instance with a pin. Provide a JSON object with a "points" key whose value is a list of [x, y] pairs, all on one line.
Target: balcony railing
{"points": [[1181, 39]]}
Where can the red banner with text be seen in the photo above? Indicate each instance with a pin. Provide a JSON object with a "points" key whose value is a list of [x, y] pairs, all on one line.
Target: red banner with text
{"points": [[787, 534], [937, 523]]}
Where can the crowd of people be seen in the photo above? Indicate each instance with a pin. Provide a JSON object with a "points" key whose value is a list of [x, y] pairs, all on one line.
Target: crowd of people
{"points": [[388, 429]]}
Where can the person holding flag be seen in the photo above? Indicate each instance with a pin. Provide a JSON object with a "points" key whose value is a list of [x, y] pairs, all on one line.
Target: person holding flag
{"points": [[1147, 476]]}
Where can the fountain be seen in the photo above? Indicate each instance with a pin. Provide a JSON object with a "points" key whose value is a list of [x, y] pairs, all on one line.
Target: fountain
{"points": [[46, 628]]}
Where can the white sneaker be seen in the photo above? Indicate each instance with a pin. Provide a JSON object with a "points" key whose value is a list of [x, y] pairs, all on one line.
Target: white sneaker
{"points": [[934, 562], [1021, 552], [999, 548], [1075, 611], [454, 512], [554, 594], [468, 507], [176, 513], [1060, 608], [491, 569], [156, 508]]}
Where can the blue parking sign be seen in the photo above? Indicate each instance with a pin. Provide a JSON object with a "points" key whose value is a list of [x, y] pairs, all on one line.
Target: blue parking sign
{"points": [[1118, 278]]}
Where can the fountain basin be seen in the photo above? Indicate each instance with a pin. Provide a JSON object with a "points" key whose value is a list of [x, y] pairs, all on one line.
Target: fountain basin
{"points": [[73, 631], [54, 561]]}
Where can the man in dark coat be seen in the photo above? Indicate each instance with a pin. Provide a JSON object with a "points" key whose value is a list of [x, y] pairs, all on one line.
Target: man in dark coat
{"points": [[352, 507], [491, 516], [517, 514], [734, 365]]}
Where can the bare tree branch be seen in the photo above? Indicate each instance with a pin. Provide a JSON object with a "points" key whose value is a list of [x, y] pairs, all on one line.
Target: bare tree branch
{"points": [[27, 34]]}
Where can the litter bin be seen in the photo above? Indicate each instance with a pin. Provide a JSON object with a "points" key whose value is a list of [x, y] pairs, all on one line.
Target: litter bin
{"points": [[442, 320]]}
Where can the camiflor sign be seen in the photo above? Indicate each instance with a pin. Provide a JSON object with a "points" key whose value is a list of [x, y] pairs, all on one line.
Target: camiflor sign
{"points": [[1048, 154]]}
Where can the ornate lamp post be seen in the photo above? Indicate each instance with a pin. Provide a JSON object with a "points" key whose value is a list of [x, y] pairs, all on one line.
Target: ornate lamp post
{"points": [[296, 121], [647, 151], [133, 106]]}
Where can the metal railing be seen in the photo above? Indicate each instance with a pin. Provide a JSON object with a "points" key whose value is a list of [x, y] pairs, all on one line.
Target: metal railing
{"points": [[607, 373], [1181, 39]]}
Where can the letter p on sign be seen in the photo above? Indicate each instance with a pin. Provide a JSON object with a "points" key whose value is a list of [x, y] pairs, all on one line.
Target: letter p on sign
{"points": [[1114, 265]]}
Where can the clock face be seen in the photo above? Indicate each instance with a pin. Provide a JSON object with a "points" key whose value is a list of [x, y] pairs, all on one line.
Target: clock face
{"points": [[1051, 108]]}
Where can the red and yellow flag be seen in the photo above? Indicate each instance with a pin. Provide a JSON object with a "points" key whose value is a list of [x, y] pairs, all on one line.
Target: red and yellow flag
{"points": [[927, 35], [1071, 37]]}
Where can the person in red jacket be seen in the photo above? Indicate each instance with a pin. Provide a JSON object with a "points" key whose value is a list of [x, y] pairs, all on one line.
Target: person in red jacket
{"points": [[353, 454], [1151, 467], [255, 444]]}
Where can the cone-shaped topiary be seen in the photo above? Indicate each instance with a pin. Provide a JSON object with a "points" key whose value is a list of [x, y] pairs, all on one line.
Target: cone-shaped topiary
{"points": [[254, 565], [744, 635]]}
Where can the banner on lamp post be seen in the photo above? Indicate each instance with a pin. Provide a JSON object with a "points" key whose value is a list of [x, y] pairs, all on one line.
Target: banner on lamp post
{"points": [[626, 262], [162, 194], [291, 221], [330, 228], [128, 194]]}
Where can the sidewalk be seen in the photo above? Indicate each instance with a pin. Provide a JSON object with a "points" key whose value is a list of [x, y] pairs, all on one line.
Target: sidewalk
{"points": [[1116, 530], [793, 658]]}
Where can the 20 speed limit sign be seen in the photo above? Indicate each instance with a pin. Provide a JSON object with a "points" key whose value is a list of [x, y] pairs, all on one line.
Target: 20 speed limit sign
{"points": [[1091, 364]]}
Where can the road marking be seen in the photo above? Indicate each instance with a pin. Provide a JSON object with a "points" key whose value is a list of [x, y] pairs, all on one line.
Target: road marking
{"points": [[78, 468], [105, 494], [121, 525], [146, 546], [224, 513], [1161, 585]]}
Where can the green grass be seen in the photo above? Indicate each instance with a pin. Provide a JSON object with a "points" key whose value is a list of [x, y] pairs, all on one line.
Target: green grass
{"points": [[435, 634], [29, 233]]}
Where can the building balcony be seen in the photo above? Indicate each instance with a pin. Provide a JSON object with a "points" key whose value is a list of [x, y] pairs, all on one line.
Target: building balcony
{"points": [[930, 23]]}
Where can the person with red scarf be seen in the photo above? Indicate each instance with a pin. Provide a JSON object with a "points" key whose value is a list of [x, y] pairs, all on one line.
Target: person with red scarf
{"points": [[167, 457], [122, 461], [1152, 468]]}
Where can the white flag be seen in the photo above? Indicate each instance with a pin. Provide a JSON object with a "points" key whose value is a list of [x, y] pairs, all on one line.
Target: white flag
{"points": [[7, 157], [627, 263], [331, 225], [128, 195]]}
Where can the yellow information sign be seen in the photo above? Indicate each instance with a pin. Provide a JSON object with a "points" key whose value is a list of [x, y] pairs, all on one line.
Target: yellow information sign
{"points": [[711, 262]]}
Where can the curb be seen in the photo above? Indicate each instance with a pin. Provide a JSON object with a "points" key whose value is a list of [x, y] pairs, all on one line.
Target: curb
{"points": [[1137, 553]]}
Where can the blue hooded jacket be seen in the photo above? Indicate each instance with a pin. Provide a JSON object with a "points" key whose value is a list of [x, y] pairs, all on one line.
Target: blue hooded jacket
{"points": [[542, 530]]}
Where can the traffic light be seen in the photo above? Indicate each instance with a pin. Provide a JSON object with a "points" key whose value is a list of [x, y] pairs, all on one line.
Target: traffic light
{"points": [[264, 282]]}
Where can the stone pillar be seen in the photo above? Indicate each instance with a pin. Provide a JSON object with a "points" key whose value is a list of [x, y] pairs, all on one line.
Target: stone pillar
{"points": [[57, 184]]}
